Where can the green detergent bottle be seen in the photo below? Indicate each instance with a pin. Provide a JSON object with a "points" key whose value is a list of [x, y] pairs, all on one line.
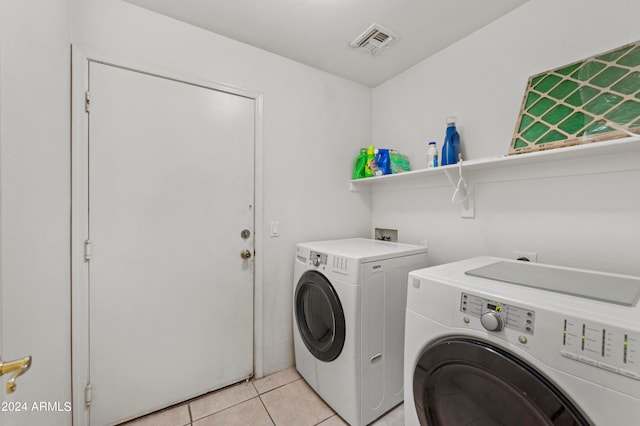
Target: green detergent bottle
{"points": [[359, 164], [370, 165]]}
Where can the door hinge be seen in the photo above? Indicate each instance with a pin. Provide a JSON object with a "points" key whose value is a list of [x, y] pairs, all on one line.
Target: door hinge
{"points": [[87, 250], [87, 101], [87, 394]]}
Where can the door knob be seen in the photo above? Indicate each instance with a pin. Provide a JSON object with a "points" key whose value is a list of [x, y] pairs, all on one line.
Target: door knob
{"points": [[245, 254], [17, 367]]}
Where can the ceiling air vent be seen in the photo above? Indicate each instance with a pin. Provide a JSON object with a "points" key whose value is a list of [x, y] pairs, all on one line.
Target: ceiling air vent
{"points": [[374, 39]]}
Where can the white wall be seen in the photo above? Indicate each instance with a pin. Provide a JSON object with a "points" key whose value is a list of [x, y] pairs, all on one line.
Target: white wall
{"points": [[34, 202], [582, 220], [314, 124]]}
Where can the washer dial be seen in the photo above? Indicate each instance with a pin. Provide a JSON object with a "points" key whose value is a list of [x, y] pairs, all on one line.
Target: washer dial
{"points": [[492, 321]]}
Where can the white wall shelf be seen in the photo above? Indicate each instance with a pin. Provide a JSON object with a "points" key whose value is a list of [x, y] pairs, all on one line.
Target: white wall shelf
{"points": [[616, 152], [613, 147]]}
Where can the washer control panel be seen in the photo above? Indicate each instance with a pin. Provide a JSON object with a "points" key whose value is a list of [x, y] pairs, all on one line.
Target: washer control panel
{"points": [[495, 315], [606, 347], [317, 258]]}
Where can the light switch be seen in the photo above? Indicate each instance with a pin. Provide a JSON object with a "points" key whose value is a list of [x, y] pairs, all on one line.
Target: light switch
{"points": [[275, 228]]}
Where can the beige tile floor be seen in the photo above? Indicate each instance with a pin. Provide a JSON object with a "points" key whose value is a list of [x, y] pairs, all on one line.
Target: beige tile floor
{"points": [[281, 399]]}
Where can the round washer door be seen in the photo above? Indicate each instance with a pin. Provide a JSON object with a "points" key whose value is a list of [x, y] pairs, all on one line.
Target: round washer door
{"points": [[462, 381], [319, 316]]}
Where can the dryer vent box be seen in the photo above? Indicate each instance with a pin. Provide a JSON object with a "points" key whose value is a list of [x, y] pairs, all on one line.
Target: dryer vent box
{"points": [[386, 234]]}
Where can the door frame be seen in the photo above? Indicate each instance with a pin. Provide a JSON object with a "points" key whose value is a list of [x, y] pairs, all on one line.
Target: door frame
{"points": [[81, 58]]}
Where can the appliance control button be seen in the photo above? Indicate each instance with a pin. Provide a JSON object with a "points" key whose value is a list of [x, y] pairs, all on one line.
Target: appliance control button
{"points": [[568, 354], [316, 261], [607, 367], [629, 373], [586, 360], [522, 339], [492, 321]]}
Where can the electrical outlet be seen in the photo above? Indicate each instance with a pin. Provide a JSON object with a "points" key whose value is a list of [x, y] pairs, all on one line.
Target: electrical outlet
{"points": [[528, 255]]}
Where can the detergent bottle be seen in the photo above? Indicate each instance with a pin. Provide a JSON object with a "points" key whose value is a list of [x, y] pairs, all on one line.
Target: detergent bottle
{"points": [[432, 155], [451, 147], [359, 164], [370, 166], [383, 162]]}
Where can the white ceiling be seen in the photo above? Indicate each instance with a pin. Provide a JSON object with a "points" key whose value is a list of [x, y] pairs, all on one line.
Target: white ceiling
{"points": [[318, 32]]}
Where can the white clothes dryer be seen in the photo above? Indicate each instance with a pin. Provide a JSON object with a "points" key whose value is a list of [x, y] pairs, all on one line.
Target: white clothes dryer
{"points": [[500, 342], [349, 299]]}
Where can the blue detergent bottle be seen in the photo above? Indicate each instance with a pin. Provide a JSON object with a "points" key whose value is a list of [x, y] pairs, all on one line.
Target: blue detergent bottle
{"points": [[451, 147]]}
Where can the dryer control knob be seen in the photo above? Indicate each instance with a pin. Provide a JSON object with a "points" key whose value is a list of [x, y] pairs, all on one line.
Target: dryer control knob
{"points": [[316, 261], [492, 321]]}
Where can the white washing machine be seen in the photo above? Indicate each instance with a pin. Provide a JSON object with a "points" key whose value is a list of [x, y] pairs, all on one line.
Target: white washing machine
{"points": [[498, 342], [349, 300]]}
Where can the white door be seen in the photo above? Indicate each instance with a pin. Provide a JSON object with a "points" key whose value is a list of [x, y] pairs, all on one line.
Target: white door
{"points": [[170, 190]]}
